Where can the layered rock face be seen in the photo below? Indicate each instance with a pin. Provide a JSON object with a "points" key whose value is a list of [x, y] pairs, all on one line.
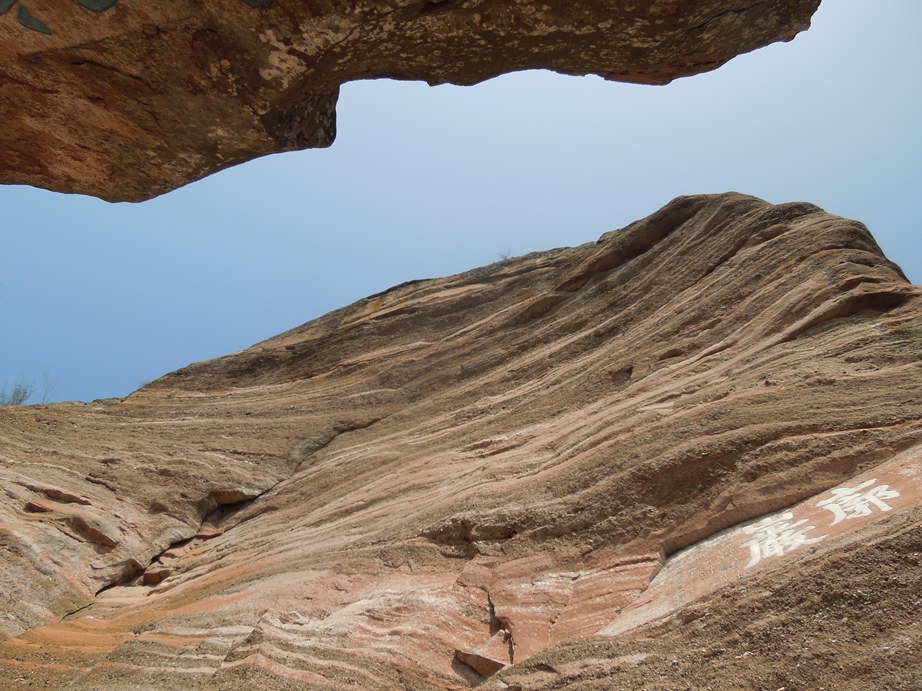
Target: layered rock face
{"points": [[689, 452], [126, 100]]}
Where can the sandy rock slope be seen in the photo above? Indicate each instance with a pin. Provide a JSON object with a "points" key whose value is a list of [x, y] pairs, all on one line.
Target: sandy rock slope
{"points": [[688, 452]]}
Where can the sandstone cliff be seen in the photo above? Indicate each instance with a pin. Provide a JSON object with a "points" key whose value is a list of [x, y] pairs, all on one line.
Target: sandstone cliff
{"points": [[690, 451], [127, 100]]}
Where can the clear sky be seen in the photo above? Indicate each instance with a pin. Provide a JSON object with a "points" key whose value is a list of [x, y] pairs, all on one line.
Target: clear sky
{"points": [[425, 182]]}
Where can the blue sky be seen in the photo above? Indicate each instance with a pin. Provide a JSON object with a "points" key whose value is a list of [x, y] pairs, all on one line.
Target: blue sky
{"points": [[425, 182]]}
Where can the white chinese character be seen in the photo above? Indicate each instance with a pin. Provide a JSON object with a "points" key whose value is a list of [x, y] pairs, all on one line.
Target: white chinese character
{"points": [[855, 502], [777, 535]]}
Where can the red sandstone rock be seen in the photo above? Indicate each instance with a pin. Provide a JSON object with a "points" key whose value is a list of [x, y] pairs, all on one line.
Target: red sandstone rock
{"points": [[446, 469], [156, 576], [92, 530], [481, 661], [128, 100], [62, 496]]}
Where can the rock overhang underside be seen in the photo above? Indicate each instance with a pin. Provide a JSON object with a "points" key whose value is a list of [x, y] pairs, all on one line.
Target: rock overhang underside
{"points": [[126, 100]]}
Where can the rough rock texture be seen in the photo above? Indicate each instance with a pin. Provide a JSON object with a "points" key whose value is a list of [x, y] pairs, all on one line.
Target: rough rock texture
{"points": [[514, 473], [126, 100]]}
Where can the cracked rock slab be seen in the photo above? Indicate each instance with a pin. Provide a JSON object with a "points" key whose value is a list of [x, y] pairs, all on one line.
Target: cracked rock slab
{"points": [[127, 100]]}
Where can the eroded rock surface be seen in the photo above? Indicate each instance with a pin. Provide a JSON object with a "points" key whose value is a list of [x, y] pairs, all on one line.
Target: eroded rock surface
{"points": [[504, 474], [126, 100]]}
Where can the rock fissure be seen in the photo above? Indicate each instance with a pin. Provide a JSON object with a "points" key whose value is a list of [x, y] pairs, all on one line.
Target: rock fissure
{"points": [[80, 609], [308, 448], [215, 520]]}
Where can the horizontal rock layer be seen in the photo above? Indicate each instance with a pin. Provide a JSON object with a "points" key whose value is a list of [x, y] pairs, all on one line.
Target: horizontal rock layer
{"points": [[482, 475], [127, 100]]}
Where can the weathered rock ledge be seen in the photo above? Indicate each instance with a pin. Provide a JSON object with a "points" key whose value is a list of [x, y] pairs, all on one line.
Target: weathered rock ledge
{"points": [[126, 100], [689, 454]]}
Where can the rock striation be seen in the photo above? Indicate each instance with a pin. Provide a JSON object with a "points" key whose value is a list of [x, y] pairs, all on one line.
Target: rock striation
{"points": [[690, 450], [126, 100]]}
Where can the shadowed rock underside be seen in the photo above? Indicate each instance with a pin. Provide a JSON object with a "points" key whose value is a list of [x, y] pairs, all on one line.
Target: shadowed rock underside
{"points": [[129, 100], [689, 452]]}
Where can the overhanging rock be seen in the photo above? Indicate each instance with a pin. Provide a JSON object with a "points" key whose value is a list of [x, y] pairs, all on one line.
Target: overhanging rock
{"points": [[125, 100]]}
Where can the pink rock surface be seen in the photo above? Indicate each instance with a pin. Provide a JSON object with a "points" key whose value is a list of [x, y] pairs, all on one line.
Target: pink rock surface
{"points": [[492, 469]]}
